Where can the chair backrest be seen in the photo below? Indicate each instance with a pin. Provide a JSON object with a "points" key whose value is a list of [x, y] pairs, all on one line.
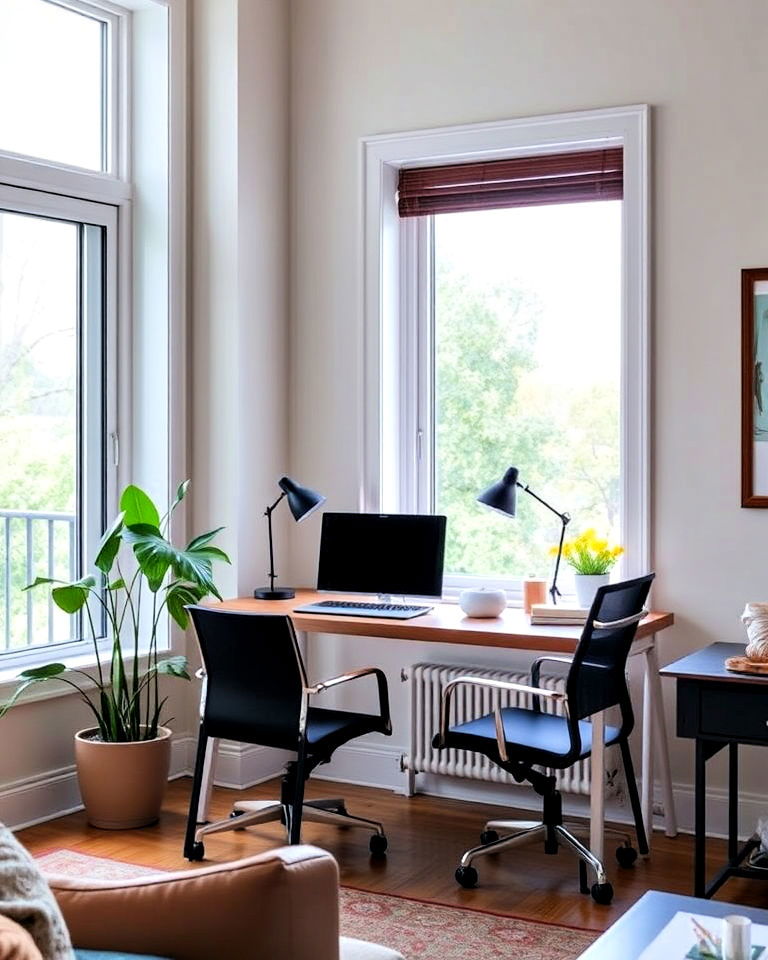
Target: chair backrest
{"points": [[597, 679], [254, 676]]}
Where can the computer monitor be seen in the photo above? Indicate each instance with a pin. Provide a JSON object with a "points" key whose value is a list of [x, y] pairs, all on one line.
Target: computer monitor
{"points": [[399, 554]]}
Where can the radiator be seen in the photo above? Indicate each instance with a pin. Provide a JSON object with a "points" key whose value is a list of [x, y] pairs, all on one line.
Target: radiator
{"points": [[428, 681]]}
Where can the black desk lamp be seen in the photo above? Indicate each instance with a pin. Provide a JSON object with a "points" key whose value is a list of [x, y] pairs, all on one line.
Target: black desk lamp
{"points": [[302, 502], [502, 497]]}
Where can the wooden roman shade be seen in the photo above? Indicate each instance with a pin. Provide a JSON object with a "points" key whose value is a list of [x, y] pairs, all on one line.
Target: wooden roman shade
{"points": [[519, 182]]}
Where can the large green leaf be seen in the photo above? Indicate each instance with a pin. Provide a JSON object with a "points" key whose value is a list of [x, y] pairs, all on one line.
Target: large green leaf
{"points": [[138, 508], [39, 581], [178, 596], [153, 552], [110, 544], [72, 597], [203, 539], [174, 667], [43, 673]]}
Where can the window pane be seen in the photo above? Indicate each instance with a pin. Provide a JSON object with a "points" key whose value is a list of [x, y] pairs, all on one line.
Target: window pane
{"points": [[52, 81], [527, 347], [39, 281]]}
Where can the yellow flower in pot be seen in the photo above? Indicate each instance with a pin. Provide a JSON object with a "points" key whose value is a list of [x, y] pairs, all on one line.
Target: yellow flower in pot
{"points": [[123, 761], [592, 559]]}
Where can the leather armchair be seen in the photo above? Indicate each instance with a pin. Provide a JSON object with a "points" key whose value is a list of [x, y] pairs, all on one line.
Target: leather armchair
{"points": [[280, 905]]}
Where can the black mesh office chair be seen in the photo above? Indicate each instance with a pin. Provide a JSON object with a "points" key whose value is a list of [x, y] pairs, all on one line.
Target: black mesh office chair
{"points": [[256, 691], [523, 741]]}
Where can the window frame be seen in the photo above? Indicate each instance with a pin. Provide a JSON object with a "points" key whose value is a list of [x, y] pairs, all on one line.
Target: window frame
{"points": [[115, 102], [117, 189], [49, 206], [394, 339]]}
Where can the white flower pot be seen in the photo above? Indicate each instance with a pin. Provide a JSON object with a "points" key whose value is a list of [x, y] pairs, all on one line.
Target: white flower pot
{"points": [[587, 586]]}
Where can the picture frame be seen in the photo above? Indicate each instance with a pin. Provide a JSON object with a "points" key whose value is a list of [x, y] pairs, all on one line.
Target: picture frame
{"points": [[754, 387]]}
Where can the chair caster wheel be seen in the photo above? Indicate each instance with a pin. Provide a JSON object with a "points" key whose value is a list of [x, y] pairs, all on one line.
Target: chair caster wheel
{"points": [[234, 815], [378, 845], [466, 877], [626, 855], [602, 893], [197, 853], [488, 836]]}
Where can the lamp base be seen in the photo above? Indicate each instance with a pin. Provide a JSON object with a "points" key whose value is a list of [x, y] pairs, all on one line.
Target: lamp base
{"points": [[278, 593]]}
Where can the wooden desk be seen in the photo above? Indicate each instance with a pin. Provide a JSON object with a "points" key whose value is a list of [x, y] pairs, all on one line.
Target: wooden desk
{"points": [[718, 708], [511, 631], [643, 922]]}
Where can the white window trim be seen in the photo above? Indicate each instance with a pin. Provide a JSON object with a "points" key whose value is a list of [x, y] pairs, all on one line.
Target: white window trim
{"points": [[115, 189], [387, 480]]}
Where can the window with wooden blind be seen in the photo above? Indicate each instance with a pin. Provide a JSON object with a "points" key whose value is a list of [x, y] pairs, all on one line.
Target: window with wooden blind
{"points": [[508, 344]]}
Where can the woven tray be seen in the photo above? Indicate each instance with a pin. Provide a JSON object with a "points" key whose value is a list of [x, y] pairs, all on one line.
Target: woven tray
{"points": [[745, 665]]}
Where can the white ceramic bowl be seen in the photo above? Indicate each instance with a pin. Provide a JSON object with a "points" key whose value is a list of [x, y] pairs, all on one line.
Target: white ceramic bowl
{"points": [[482, 602]]}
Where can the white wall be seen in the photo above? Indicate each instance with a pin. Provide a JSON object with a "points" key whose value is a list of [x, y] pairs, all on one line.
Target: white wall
{"points": [[362, 67]]}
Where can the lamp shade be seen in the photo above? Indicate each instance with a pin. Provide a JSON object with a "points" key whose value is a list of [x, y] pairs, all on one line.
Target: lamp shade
{"points": [[301, 500], [502, 496]]}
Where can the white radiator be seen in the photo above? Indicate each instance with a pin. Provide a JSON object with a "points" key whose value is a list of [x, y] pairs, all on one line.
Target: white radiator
{"points": [[428, 681]]}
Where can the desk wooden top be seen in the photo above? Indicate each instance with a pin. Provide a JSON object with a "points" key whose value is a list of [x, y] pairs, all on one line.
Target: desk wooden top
{"points": [[709, 664], [446, 623]]}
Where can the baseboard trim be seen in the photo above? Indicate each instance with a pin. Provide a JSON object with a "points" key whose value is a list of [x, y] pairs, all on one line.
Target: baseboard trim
{"points": [[33, 800], [373, 765]]}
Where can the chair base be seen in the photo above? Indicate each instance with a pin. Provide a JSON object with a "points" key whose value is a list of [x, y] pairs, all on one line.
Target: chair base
{"points": [[523, 831], [248, 813]]}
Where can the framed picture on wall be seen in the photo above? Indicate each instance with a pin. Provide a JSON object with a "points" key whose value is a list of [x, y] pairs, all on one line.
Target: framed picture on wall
{"points": [[754, 387]]}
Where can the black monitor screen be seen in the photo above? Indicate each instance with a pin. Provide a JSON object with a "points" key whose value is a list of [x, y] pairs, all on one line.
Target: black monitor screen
{"points": [[382, 553]]}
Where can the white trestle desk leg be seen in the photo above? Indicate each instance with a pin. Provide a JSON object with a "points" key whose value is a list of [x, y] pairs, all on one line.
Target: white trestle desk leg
{"points": [[209, 773], [648, 746], [597, 801], [661, 742]]}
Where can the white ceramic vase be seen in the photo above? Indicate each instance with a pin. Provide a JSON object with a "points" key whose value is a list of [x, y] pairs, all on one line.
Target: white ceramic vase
{"points": [[587, 585], [483, 602]]}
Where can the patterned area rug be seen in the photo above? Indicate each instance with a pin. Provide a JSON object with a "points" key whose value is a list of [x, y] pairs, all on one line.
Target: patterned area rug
{"points": [[420, 931]]}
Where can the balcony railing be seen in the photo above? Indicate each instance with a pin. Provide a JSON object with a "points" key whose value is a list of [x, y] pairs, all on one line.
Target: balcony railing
{"points": [[35, 544]]}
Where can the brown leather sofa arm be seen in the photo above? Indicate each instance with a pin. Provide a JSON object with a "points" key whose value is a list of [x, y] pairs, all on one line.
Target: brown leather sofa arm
{"points": [[281, 905], [16, 943]]}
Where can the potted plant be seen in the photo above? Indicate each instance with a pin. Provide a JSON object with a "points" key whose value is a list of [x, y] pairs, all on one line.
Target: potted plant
{"points": [[123, 759], [592, 559]]}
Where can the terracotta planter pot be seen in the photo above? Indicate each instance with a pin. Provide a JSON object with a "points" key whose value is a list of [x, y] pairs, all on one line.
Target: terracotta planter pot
{"points": [[122, 784]]}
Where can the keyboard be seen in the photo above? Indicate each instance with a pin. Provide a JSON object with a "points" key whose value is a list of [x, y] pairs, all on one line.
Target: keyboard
{"points": [[359, 608]]}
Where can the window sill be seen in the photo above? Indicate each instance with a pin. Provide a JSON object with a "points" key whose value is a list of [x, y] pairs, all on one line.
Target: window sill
{"points": [[51, 690]]}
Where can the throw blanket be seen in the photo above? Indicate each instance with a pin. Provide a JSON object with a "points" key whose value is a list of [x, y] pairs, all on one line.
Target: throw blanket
{"points": [[26, 898]]}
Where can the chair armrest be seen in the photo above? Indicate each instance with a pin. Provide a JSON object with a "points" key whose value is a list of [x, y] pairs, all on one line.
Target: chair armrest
{"points": [[536, 672], [381, 682], [498, 685], [282, 905]]}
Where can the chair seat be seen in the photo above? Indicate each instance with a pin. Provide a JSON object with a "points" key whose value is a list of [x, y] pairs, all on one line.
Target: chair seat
{"points": [[529, 731], [329, 729]]}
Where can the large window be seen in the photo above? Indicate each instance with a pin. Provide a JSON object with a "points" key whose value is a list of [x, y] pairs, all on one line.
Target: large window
{"points": [[60, 266], [56, 411], [525, 367], [508, 326]]}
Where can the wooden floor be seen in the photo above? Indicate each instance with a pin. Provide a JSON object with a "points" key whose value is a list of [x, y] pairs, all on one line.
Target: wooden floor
{"points": [[426, 837]]}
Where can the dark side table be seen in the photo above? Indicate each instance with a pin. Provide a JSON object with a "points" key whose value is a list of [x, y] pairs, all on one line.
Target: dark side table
{"points": [[717, 709]]}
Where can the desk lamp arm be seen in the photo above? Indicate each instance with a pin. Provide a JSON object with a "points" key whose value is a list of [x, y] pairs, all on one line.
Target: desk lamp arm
{"points": [[565, 519], [268, 514]]}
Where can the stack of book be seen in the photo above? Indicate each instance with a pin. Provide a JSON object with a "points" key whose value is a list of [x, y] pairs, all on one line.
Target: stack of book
{"points": [[546, 613]]}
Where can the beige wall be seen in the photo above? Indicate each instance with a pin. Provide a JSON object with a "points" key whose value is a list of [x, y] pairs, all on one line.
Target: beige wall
{"points": [[362, 67]]}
